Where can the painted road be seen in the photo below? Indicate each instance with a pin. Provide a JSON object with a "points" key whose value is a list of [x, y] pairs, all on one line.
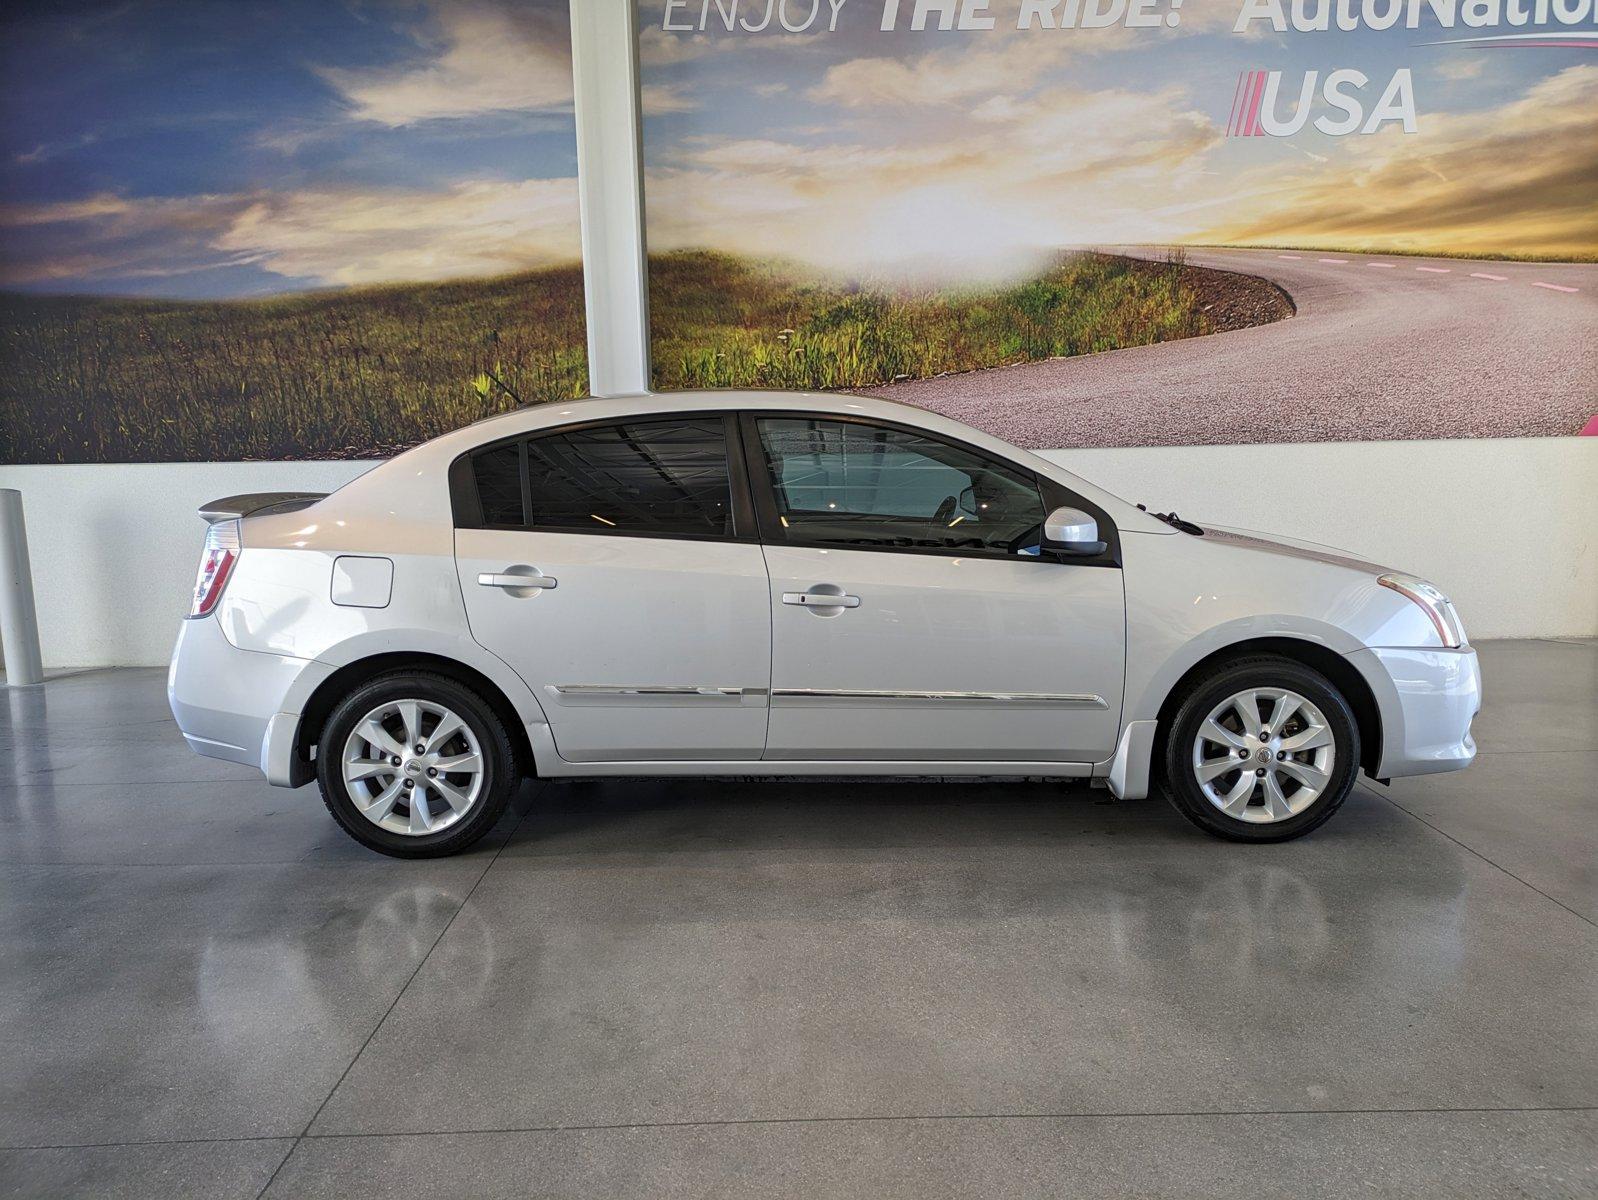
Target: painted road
{"points": [[1380, 348]]}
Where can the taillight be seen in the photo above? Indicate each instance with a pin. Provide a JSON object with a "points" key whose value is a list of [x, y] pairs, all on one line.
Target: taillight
{"points": [[216, 564]]}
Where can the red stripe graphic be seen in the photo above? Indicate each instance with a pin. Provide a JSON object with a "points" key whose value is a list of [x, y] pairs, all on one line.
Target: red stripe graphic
{"points": [[1237, 103], [1254, 129]]}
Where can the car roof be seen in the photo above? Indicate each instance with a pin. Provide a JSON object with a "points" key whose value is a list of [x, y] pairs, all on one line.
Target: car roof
{"points": [[541, 416], [531, 418], [432, 458]]}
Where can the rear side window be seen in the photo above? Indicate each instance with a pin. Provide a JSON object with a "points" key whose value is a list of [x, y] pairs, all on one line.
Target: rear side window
{"points": [[498, 471], [664, 477]]}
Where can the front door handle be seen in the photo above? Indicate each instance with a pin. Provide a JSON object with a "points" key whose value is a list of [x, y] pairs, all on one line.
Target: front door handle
{"points": [[511, 581], [821, 599]]}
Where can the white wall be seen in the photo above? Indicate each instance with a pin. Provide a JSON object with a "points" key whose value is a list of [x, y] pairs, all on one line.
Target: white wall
{"points": [[114, 547], [1506, 527]]}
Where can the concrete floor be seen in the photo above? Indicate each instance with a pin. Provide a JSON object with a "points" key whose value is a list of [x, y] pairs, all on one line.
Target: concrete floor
{"points": [[822, 989]]}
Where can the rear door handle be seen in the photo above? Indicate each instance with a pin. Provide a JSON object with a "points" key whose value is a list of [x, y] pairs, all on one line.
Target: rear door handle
{"points": [[821, 599], [513, 582]]}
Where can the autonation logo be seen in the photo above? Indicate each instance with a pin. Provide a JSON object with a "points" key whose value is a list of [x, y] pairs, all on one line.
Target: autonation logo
{"points": [[1353, 105]]}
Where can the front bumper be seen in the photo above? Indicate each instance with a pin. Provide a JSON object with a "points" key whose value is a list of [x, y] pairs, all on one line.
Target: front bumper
{"points": [[1427, 700], [239, 705]]}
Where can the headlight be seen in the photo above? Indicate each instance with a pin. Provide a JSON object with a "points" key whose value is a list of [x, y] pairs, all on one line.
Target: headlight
{"points": [[1436, 605]]}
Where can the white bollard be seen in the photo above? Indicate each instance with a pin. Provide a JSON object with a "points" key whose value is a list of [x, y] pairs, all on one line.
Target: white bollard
{"points": [[19, 620]]}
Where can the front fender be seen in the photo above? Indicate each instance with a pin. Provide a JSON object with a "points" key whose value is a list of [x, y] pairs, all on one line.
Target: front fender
{"points": [[1189, 597], [1160, 674]]}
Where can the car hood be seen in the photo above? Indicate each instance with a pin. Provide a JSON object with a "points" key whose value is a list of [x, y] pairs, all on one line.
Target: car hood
{"points": [[1248, 539]]}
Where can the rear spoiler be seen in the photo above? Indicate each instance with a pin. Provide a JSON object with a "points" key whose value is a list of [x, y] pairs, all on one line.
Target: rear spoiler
{"points": [[255, 504]]}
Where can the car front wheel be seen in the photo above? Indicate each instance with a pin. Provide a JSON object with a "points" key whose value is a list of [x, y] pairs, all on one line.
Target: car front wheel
{"points": [[415, 765], [1263, 751]]}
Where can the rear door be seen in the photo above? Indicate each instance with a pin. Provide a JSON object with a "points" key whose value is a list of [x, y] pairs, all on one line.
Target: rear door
{"points": [[615, 567], [914, 615]]}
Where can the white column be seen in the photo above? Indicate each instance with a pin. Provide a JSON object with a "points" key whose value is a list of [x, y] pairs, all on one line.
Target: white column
{"points": [[610, 191], [19, 621]]}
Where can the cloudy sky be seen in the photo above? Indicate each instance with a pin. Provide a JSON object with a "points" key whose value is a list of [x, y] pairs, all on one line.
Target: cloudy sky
{"points": [[206, 149], [971, 150]]}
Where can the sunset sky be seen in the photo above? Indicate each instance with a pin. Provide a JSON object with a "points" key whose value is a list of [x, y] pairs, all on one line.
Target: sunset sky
{"points": [[973, 149], [191, 148]]}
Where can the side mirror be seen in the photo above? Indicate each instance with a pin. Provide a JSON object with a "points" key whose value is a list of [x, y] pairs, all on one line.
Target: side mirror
{"points": [[1072, 531]]}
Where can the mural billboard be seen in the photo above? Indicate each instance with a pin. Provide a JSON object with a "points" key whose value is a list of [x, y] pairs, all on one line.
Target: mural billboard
{"points": [[1134, 222], [286, 230], [302, 230]]}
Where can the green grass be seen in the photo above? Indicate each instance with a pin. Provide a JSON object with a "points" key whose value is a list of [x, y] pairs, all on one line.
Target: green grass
{"points": [[722, 321], [369, 371], [317, 375]]}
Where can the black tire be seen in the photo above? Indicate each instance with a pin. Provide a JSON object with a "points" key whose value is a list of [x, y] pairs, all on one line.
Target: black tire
{"points": [[500, 779], [1262, 671]]}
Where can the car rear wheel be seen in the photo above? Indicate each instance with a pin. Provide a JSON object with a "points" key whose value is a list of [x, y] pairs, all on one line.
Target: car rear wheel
{"points": [[415, 765], [1263, 751]]}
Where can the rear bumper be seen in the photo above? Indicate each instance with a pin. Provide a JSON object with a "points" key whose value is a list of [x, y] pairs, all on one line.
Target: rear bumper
{"points": [[1428, 699], [239, 705]]}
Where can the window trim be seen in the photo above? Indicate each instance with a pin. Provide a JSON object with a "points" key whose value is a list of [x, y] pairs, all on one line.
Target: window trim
{"points": [[1052, 494], [467, 509]]}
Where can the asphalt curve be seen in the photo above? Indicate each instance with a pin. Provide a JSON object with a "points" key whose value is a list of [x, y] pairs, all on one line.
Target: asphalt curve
{"points": [[1381, 348]]}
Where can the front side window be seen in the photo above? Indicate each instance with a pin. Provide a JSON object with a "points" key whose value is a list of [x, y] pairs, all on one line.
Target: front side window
{"points": [[660, 477], [851, 484]]}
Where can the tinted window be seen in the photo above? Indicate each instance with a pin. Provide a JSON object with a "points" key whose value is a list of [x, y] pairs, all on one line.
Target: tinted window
{"points": [[666, 476], [864, 485], [498, 471]]}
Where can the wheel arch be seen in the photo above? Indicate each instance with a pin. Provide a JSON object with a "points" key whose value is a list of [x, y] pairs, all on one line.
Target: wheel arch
{"points": [[1342, 673], [327, 695]]}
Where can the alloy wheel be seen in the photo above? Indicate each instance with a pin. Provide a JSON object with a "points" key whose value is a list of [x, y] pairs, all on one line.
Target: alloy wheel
{"points": [[1264, 755], [413, 767]]}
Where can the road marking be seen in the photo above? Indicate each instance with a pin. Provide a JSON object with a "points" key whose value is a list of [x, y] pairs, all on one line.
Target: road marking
{"points": [[1383, 266], [1436, 270], [1555, 287], [1484, 275], [1332, 260], [1289, 256]]}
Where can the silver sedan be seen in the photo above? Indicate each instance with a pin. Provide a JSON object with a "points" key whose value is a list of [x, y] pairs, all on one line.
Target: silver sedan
{"points": [[792, 585]]}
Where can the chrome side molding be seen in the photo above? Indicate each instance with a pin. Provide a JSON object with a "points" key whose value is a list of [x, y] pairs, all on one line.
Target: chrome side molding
{"points": [[578, 695], [573, 695], [800, 697]]}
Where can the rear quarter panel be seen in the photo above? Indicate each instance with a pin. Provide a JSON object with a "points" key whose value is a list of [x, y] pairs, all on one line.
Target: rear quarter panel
{"points": [[279, 600]]}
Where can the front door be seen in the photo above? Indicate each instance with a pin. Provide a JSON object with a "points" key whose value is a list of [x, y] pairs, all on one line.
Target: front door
{"points": [[609, 570], [914, 616]]}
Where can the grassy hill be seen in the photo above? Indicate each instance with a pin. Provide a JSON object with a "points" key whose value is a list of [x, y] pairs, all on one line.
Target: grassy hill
{"points": [[722, 321], [369, 371], [340, 374]]}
